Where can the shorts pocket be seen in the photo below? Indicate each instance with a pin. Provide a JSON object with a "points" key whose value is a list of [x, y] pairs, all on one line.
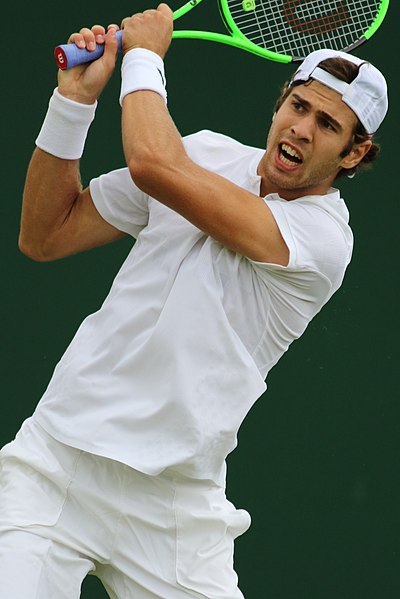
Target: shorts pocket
{"points": [[35, 472], [206, 526]]}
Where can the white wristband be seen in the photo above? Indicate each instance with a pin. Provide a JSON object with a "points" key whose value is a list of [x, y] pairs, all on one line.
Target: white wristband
{"points": [[142, 69], [65, 127]]}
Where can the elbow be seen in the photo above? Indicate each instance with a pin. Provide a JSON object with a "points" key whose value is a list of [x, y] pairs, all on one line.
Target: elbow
{"points": [[32, 251], [143, 171], [155, 174]]}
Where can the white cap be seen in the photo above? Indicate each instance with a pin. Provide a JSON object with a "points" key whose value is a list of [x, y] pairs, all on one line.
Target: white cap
{"points": [[366, 95]]}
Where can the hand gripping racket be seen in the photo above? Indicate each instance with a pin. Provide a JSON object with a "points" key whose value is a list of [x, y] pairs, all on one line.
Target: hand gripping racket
{"points": [[280, 30]]}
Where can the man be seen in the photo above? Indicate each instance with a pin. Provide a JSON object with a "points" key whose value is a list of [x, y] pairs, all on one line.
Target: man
{"points": [[121, 470]]}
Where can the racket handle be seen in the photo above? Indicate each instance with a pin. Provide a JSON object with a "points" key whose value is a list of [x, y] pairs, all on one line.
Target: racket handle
{"points": [[69, 55]]}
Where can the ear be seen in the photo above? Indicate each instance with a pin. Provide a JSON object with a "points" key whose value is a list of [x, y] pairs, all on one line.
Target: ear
{"points": [[356, 154]]}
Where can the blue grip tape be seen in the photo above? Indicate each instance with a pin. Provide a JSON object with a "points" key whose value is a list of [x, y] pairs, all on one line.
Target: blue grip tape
{"points": [[69, 55]]}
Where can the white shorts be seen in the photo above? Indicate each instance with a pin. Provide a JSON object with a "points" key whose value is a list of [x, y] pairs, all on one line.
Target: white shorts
{"points": [[65, 513]]}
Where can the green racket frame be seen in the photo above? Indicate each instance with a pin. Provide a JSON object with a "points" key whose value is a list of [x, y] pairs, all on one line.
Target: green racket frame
{"points": [[240, 41]]}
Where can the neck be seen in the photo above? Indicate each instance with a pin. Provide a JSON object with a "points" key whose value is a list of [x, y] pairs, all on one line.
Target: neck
{"points": [[267, 187]]}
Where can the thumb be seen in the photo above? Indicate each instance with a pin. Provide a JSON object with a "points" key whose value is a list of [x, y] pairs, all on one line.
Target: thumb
{"points": [[111, 45]]}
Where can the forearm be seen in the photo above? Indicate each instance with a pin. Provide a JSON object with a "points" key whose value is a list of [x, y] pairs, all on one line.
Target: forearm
{"points": [[150, 138], [53, 179], [57, 219], [149, 135]]}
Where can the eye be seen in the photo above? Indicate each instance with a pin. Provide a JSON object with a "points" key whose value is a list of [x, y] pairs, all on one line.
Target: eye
{"points": [[298, 106], [327, 125]]}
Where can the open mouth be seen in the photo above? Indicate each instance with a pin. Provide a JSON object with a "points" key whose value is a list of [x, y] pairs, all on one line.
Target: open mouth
{"points": [[289, 155]]}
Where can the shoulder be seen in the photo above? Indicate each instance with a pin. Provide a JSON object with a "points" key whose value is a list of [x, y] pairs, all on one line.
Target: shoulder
{"points": [[331, 214], [323, 212], [210, 147], [317, 233]]}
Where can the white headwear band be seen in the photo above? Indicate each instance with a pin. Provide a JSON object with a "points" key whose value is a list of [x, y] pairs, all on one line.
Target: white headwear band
{"points": [[366, 95]]}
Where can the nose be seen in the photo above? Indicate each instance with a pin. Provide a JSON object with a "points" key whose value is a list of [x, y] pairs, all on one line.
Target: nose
{"points": [[304, 128]]}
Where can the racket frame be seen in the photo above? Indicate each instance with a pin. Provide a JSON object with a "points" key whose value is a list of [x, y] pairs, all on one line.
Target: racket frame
{"points": [[237, 39]]}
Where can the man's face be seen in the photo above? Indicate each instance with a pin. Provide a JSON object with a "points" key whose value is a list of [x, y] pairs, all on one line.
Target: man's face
{"points": [[307, 136]]}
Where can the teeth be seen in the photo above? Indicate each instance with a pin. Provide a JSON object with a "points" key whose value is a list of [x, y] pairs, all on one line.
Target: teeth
{"points": [[290, 151], [287, 161]]}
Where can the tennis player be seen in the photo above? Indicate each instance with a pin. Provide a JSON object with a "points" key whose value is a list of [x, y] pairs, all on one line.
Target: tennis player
{"points": [[120, 472]]}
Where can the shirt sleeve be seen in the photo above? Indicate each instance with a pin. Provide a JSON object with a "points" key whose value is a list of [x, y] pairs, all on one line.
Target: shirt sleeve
{"points": [[120, 202], [320, 248]]}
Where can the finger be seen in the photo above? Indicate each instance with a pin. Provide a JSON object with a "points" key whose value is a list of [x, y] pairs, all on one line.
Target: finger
{"points": [[88, 38], [84, 39], [165, 9], [99, 33], [136, 17], [76, 38], [124, 21], [113, 25]]}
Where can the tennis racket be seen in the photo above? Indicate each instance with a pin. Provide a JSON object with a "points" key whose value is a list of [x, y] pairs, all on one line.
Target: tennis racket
{"points": [[280, 30]]}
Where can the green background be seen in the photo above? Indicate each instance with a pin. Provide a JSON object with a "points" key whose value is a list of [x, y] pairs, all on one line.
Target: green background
{"points": [[318, 459]]}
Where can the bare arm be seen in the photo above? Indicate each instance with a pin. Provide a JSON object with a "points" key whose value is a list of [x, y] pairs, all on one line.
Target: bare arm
{"points": [[160, 166], [58, 217]]}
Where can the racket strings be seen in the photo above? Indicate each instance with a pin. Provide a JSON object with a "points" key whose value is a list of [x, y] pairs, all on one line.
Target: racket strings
{"points": [[298, 27]]}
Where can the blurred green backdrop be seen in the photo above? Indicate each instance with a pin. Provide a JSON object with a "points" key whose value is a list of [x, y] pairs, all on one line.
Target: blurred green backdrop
{"points": [[318, 456]]}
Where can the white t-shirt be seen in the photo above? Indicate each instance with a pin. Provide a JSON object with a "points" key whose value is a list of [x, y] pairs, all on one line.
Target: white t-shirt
{"points": [[164, 373]]}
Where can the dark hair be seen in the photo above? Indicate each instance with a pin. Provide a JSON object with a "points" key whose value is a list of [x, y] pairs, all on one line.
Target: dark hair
{"points": [[346, 71]]}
